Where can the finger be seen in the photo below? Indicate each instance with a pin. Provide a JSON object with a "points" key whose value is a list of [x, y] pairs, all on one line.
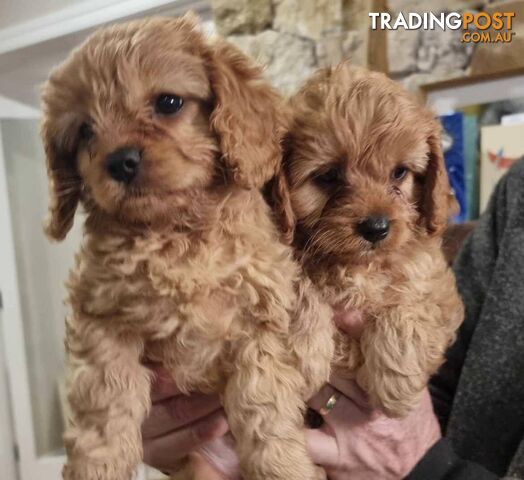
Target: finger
{"points": [[222, 455], [350, 321], [162, 452], [177, 412], [345, 411], [204, 470], [163, 385], [322, 448], [351, 390], [319, 402]]}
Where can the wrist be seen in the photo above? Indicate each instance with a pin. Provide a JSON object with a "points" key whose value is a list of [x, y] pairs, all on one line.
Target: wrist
{"points": [[423, 443]]}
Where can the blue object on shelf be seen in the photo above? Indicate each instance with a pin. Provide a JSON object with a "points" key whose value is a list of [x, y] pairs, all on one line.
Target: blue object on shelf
{"points": [[453, 147]]}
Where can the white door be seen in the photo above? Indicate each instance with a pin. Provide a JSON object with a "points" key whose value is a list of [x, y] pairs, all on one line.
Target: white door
{"points": [[31, 278]]}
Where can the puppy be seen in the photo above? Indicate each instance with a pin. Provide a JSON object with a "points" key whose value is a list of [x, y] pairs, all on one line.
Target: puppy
{"points": [[166, 140], [363, 196]]}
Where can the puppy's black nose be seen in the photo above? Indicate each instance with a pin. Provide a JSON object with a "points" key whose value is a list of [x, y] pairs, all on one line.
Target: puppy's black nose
{"points": [[122, 164], [374, 228]]}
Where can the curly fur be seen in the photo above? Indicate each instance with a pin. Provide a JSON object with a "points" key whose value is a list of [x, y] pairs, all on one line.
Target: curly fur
{"points": [[183, 265], [360, 126]]}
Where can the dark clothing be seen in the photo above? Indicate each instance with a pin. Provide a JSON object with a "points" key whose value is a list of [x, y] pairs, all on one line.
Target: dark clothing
{"points": [[479, 392]]}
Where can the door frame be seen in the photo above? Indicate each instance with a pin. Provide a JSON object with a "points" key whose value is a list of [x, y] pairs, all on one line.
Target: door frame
{"points": [[14, 345], [8, 454]]}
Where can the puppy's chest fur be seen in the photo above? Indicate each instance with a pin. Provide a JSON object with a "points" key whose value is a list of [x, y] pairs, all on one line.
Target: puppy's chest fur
{"points": [[398, 279], [190, 297], [409, 287]]}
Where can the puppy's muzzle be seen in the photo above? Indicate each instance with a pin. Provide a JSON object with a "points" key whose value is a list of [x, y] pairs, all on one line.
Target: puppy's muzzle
{"points": [[374, 228], [122, 164]]}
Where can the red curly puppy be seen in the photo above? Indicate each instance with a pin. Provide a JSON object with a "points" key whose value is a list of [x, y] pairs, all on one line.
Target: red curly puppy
{"points": [[364, 197], [166, 139]]}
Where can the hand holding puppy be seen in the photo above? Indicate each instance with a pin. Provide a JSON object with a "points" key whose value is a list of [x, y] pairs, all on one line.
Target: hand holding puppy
{"points": [[361, 443], [356, 441], [193, 425], [178, 423]]}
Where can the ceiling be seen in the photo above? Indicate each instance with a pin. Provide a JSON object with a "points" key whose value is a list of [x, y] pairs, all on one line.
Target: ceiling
{"points": [[19, 11]]}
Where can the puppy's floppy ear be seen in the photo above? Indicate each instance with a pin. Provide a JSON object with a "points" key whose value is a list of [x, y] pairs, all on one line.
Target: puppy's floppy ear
{"points": [[64, 181], [279, 198], [247, 117], [435, 195]]}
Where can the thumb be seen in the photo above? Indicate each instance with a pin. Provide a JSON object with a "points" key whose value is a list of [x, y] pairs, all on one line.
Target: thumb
{"points": [[322, 448], [202, 469], [221, 454]]}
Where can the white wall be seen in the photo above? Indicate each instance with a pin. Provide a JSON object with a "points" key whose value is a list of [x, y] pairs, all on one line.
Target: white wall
{"points": [[42, 268], [9, 108]]}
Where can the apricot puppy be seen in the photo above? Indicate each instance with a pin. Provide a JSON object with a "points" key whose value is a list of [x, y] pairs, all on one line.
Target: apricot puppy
{"points": [[363, 196], [165, 139]]}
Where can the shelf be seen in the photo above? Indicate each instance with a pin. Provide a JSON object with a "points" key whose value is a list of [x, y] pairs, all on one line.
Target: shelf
{"points": [[470, 80]]}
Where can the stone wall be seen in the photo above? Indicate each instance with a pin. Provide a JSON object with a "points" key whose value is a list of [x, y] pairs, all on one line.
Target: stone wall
{"points": [[294, 37], [416, 57]]}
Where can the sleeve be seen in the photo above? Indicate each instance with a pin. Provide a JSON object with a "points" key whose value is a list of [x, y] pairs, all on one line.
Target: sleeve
{"points": [[441, 462], [473, 270]]}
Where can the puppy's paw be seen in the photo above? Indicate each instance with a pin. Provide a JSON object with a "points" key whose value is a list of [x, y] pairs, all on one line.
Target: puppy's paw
{"points": [[395, 395]]}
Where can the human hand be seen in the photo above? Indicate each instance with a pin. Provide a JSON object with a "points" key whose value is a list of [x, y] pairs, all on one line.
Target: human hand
{"points": [[178, 424], [220, 455], [361, 443], [350, 321]]}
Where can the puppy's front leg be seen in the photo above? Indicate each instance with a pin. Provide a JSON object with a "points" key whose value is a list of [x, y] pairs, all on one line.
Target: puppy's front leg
{"points": [[108, 397], [401, 349], [265, 412], [311, 338]]}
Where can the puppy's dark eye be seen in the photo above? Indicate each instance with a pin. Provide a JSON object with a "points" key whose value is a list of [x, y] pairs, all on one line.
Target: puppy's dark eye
{"points": [[86, 131], [399, 173], [329, 177], [168, 104]]}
